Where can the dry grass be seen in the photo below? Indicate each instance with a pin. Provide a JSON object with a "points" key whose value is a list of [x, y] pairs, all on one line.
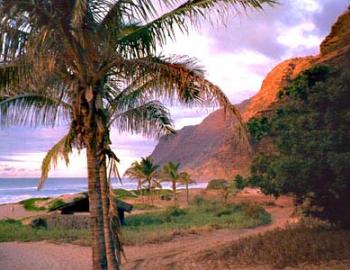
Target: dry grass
{"points": [[297, 246]]}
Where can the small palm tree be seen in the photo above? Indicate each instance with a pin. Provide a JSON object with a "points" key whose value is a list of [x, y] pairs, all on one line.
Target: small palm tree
{"points": [[170, 173], [145, 172], [185, 178]]}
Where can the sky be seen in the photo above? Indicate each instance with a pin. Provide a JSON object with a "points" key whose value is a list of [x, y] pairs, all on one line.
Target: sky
{"points": [[236, 57]]}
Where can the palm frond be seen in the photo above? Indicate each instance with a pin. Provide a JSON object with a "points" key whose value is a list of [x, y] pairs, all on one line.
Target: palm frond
{"points": [[149, 119], [33, 110], [60, 150], [163, 28]]}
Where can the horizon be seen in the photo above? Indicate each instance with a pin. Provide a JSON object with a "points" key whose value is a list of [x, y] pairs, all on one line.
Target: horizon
{"points": [[293, 29]]}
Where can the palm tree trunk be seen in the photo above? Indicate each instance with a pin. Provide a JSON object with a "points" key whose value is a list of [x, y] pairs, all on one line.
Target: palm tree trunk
{"points": [[187, 192], [174, 192], [88, 119], [95, 205], [110, 238]]}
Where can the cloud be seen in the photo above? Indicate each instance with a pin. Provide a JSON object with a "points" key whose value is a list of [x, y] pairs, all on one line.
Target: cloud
{"points": [[263, 31]]}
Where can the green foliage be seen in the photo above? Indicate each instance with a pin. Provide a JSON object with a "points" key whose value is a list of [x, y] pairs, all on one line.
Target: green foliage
{"points": [[311, 130], [39, 223], [30, 204], [11, 230], [199, 215], [124, 194], [144, 207], [239, 182], [152, 226], [217, 184], [258, 127], [55, 203]]}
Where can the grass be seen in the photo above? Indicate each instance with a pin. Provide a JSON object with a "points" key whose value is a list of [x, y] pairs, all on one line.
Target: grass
{"points": [[150, 227], [290, 247], [124, 194], [159, 226], [55, 203], [141, 206], [30, 204], [13, 230]]}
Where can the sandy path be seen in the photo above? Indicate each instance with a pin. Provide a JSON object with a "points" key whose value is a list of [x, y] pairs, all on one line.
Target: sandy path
{"points": [[16, 211], [43, 256]]}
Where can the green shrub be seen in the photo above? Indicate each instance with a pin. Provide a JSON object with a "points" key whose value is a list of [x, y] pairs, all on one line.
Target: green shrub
{"points": [[30, 205], [239, 182], [217, 184], [39, 223], [124, 194], [55, 204], [144, 206]]}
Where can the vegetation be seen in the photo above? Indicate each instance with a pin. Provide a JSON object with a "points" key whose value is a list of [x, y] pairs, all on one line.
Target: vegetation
{"points": [[144, 207], [13, 230], [124, 194], [30, 204], [201, 215], [289, 247], [155, 226], [55, 203], [311, 130], [240, 182], [217, 184], [145, 173], [93, 64], [171, 173], [186, 180]]}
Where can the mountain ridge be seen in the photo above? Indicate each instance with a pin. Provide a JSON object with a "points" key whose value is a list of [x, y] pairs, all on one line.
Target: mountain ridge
{"points": [[210, 150]]}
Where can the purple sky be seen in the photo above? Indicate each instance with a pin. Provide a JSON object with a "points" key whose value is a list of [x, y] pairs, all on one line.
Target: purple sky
{"points": [[236, 58]]}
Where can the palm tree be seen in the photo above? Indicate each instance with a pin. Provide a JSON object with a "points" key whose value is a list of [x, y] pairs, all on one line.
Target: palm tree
{"points": [[171, 173], [145, 172], [86, 51], [185, 178]]}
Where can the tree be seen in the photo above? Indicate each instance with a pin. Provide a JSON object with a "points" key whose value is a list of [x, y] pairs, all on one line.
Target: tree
{"points": [[146, 174], [239, 182], [171, 173], [310, 129], [185, 178], [86, 50]]}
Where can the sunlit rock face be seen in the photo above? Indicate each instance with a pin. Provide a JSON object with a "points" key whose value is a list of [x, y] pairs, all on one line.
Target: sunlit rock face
{"points": [[212, 149]]}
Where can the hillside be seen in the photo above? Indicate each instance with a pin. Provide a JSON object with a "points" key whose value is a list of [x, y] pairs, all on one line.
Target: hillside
{"points": [[210, 150]]}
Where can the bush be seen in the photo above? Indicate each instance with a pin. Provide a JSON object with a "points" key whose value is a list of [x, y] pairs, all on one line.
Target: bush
{"points": [[239, 182], [55, 204], [217, 184], [124, 194], [38, 223], [30, 205]]}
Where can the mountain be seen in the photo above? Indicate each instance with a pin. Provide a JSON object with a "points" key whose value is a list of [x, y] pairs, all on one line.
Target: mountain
{"points": [[212, 149]]}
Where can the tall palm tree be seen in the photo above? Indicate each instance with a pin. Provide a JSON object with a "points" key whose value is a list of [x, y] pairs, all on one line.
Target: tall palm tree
{"points": [[171, 174], [145, 172], [185, 178], [87, 51]]}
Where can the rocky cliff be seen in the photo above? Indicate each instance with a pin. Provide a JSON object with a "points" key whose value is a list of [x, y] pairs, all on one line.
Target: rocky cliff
{"points": [[211, 150]]}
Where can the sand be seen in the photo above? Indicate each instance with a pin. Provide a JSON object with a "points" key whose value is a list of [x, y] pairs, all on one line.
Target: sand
{"points": [[16, 211]]}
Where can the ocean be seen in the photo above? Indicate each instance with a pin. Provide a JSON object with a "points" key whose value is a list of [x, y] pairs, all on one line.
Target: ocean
{"points": [[18, 189]]}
